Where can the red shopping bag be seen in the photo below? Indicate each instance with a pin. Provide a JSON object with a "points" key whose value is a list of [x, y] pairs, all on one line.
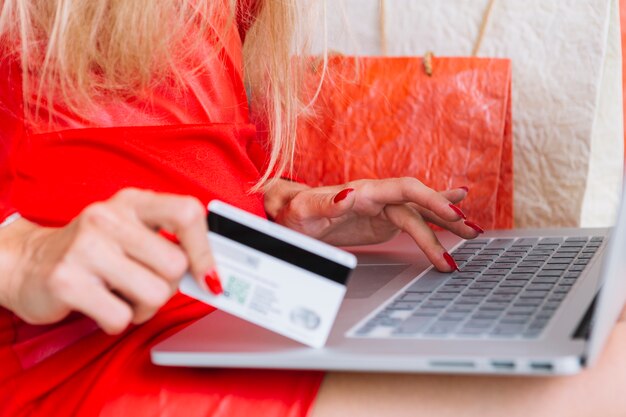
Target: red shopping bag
{"points": [[386, 117]]}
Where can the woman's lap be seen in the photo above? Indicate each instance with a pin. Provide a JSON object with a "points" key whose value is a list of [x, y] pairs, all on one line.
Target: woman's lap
{"points": [[597, 391]]}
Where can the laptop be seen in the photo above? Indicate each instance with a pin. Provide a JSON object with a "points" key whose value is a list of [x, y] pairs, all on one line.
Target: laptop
{"points": [[534, 302]]}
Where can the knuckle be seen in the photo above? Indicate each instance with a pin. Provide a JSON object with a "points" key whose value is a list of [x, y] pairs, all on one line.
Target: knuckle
{"points": [[61, 280], [129, 193], [97, 215], [176, 265], [191, 211], [160, 293], [297, 209], [120, 322]]}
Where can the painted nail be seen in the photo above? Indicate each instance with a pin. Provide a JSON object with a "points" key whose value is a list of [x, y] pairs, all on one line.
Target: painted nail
{"points": [[450, 260], [458, 211], [169, 236], [342, 195], [465, 188], [475, 227], [213, 282]]}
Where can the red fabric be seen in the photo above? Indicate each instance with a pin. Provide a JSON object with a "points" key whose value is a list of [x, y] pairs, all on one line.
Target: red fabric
{"points": [[192, 142]]}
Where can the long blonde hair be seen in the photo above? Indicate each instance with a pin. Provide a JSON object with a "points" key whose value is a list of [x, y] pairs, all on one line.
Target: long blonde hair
{"points": [[86, 49]]}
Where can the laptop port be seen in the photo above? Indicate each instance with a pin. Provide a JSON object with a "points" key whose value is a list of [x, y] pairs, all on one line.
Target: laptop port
{"points": [[541, 366], [452, 364], [503, 365]]}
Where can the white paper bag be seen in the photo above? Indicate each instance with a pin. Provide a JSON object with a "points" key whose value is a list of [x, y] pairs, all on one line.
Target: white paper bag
{"points": [[567, 88]]}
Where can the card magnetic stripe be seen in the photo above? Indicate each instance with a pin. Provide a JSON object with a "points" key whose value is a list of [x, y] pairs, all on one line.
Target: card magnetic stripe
{"points": [[277, 248]]}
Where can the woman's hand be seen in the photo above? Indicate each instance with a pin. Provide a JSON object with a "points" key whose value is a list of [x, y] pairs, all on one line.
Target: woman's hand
{"points": [[372, 211], [109, 263]]}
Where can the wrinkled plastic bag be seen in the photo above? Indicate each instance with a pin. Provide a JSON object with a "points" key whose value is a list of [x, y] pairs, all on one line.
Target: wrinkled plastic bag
{"points": [[385, 117]]}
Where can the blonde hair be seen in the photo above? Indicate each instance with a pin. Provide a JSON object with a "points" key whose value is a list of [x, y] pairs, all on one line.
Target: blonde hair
{"points": [[84, 50]]}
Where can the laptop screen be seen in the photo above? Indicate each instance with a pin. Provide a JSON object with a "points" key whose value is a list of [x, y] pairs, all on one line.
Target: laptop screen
{"points": [[613, 287]]}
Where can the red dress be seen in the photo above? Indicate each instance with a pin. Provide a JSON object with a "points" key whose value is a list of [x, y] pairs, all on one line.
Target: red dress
{"points": [[197, 142]]}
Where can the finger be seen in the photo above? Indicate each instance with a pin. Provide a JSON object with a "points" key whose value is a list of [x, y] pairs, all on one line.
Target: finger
{"points": [[465, 229], [322, 203], [161, 256], [410, 221], [142, 288], [398, 191], [455, 195], [185, 217], [83, 292]]}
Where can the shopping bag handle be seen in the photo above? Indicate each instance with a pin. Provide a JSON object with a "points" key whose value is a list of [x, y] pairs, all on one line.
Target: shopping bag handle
{"points": [[428, 62]]}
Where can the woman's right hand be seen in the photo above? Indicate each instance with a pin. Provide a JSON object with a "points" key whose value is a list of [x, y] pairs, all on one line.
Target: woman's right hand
{"points": [[108, 263]]}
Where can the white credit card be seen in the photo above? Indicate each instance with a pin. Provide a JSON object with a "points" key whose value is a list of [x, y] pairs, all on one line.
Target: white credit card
{"points": [[273, 276]]}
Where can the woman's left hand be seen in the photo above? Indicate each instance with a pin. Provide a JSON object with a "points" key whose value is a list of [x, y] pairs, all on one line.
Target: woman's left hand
{"points": [[372, 211]]}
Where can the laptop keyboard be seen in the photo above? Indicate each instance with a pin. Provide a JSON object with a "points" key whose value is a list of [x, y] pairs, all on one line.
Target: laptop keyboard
{"points": [[507, 288]]}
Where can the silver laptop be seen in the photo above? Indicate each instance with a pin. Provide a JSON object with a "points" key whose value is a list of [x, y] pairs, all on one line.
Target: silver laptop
{"points": [[525, 302]]}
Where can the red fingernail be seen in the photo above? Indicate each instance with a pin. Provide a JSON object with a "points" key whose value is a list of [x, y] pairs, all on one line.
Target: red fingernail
{"points": [[342, 195], [475, 227], [169, 236], [450, 260], [213, 282], [465, 188], [458, 211]]}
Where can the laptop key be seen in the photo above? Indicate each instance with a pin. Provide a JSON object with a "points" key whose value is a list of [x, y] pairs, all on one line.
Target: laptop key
{"points": [[545, 280], [527, 241], [506, 290], [520, 270], [539, 287], [486, 315], [516, 311], [435, 304], [461, 308], [534, 294], [400, 305], [499, 244], [425, 312], [557, 297], [558, 267], [476, 293], [443, 296], [551, 305], [469, 300], [541, 258], [513, 283], [528, 302], [414, 296], [549, 273], [484, 285], [551, 240], [456, 317]]}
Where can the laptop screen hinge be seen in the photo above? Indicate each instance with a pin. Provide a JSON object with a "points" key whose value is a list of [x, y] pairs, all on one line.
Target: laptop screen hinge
{"points": [[583, 330]]}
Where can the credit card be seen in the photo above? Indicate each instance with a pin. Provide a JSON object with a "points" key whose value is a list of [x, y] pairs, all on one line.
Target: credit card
{"points": [[273, 276]]}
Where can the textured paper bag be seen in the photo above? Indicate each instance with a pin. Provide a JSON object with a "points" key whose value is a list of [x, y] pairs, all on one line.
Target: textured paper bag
{"points": [[567, 91], [386, 117]]}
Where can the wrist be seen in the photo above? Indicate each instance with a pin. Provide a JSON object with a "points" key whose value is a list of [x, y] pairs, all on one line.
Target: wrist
{"points": [[14, 255]]}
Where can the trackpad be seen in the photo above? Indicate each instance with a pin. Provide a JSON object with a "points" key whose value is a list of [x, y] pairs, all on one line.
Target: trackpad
{"points": [[367, 279]]}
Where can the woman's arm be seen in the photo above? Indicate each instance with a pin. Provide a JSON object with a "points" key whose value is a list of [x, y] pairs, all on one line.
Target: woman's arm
{"points": [[108, 263]]}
